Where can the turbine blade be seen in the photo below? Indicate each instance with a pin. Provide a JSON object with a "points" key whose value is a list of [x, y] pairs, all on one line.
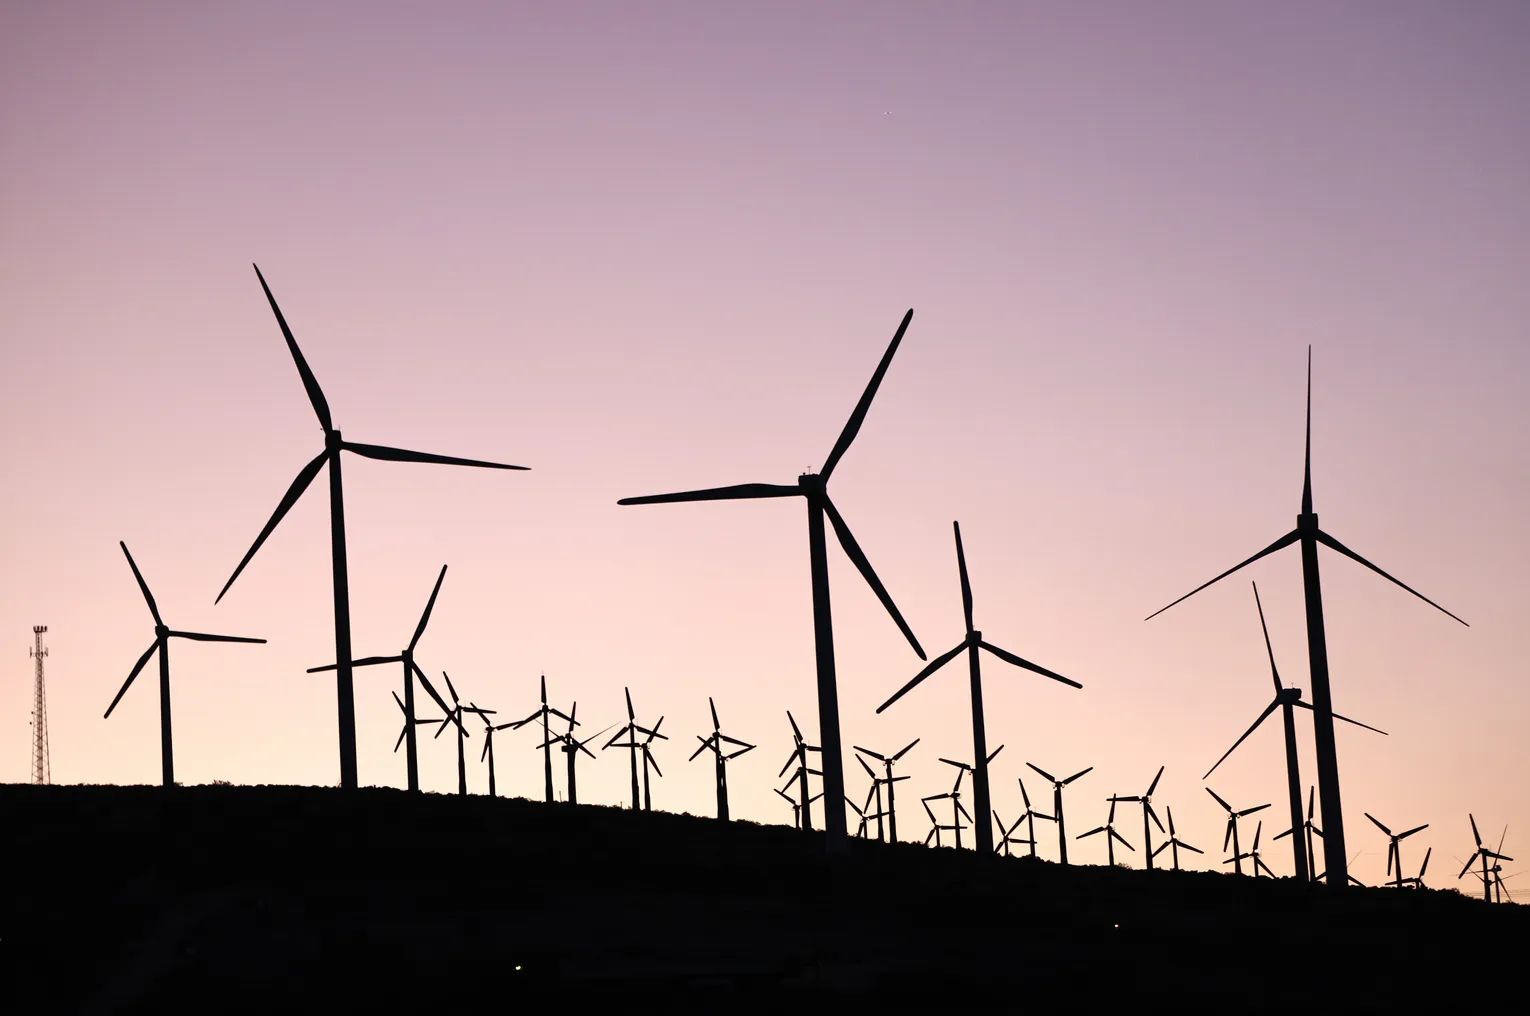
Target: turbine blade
{"points": [[904, 751], [403, 732], [1186, 846], [930, 668], [1280, 544], [1262, 716], [853, 426], [1077, 775], [1329, 541], [1346, 719], [431, 691], [1154, 785], [430, 605], [310, 383], [1096, 829], [1223, 803], [795, 732], [1475, 835], [961, 565], [856, 555], [1250, 811], [868, 751], [869, 771], [304, 478], [197, 636], [1009, 657], [1274, 673], [1049, 777], [716, 724], [993, 753], [736, 492], [735, 754], [1153, 815], [143, 586], [1410, 832], [1377, 824], [449, 688], [706, 742], [367, 662], [131, 674], [401, 455]]}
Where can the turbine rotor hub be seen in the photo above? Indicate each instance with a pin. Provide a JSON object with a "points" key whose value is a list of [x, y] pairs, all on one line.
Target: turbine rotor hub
{"points": [[161, 630], [333, 441]]}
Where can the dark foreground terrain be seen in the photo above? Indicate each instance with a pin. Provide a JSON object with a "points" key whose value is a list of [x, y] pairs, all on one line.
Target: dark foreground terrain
{"points": [[220, 899]]}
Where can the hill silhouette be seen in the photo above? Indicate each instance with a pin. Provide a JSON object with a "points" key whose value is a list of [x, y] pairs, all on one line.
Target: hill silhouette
{"points": [[142, 899]]}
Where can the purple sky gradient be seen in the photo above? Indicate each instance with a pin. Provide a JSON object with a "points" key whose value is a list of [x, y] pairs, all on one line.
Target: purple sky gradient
{"points": [[646, 247]]}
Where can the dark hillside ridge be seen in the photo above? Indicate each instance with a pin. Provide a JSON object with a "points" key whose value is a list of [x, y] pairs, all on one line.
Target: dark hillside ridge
{"points": [[219, 899]]}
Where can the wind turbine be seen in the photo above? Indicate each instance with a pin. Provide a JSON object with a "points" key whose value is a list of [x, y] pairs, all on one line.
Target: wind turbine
{"points": [[631, 731], [333, 446], [1394, 852], [1109, 829], [489, 730], [1232, 829], [800, 749], [1484, 853], [1417, 881], [1174, 842], [1286, 699], [971, 643], [645, 747], [888, 779], [936, 828], [814, 488], [715, 743], [411, 670], [1251, 855], [571, 748], [1309, 536], [1030, 816], [455, 715], [161, 645], [962, 769], [1146, 801], [1057, 808], [1308, 828], [544, 713], [860, 810]]}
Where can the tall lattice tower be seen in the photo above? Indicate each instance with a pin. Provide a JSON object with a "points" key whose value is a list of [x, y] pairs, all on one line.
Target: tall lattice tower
{"points": [[39, 711]]}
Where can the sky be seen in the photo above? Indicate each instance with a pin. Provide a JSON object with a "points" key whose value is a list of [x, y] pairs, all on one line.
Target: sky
{"points": [[642, 247]]}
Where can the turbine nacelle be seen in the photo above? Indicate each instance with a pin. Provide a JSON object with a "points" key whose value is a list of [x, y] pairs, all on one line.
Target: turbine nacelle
{"points": [[813, 485], [333, 442], [161, 631], [974, 638], [1289, 696]]}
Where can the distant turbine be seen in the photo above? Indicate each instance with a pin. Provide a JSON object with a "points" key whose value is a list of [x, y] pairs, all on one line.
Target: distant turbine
{"points": [[1252, 855], [887, 780], [1394, 851], [633, 746], [1146, 800], [1057, 808], [814, 487], [1285, 699], [1307, 828], [715, 743], [571, 748], [411, 670], [1484, 853], [489, 729], [162, 637], [645, 747], [333, 446], [1309, 536], [455, 714], [410, 722], [1007, 836], [1109, 829], [971, 643], [545, 713], [1030, 816], [1232, 829], [1174, 842], [800, 749], [955, 794]]}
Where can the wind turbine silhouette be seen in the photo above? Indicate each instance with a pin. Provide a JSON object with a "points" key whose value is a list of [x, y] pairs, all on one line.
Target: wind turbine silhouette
{"points": [[1057, 808], [1417, 881], [1485, 853], [333, 446], [1286, 699], [1309, 536], [455, 714], [489, 730], [715, 743], [814, 488], [411, 669], [1232, 829], [161, 645], [571, 748], [645, 747], [1308, 828], [1146, 800], [1030, 816], [1109, 829], [548, 738], [1007, 835], [796, 806], [888, 779], [957, 809], [633, 746], [410, 722], [800, 749], [1174, 843], [1251, 855], [1394, 852], [971, 643]]}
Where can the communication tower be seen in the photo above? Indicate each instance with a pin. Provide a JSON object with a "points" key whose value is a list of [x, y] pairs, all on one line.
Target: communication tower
{"points": [[39, 711]]}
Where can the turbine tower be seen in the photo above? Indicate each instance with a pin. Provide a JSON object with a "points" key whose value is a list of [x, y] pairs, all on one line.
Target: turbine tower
{"points": [[813, 488], [1309, 536], [39, 710]]}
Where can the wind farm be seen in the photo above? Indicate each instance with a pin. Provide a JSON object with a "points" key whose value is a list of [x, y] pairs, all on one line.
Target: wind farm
{"points": [[1096, 282]]}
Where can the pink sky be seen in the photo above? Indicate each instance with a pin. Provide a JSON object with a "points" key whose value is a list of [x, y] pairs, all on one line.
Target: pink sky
{"points": [[647, 247]]}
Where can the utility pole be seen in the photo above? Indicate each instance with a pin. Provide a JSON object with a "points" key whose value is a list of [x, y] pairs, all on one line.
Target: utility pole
{"points": [[39, 711]]}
